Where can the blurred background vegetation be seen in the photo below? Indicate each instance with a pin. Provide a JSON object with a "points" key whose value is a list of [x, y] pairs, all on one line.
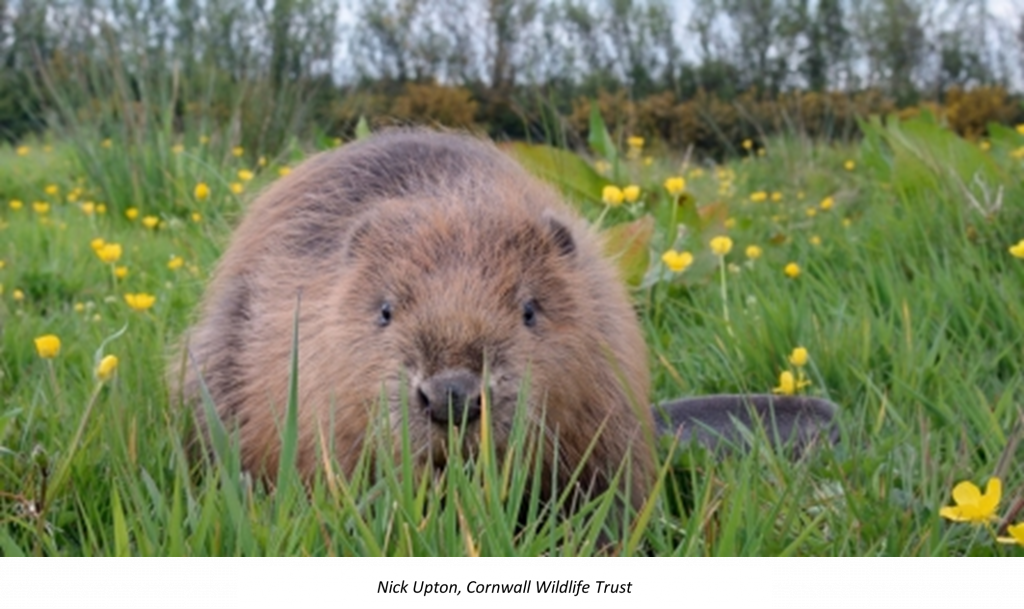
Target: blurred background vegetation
{"points": [[702, 73]]}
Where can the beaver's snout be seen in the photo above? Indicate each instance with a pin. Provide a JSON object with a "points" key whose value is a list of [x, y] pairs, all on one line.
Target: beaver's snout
{"points": [[450, 395]]}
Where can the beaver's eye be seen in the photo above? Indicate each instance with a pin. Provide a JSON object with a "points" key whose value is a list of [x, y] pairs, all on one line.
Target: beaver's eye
{"points": [[384, 318], [530, 313]]}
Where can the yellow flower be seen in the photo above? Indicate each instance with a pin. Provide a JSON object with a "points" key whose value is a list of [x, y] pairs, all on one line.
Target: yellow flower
{"points": [[101, 208], [971, 505], [48, 346], [109, 253], [79, 307], [776, 196], [602, 167], [849, 165], [789, 384], [815, 240], [798, 357], [648, 161], [106, 368], [262, 162], [177, 149], [677, 261], [107, 143], [201, 191], [238, 151], [753, 252], [761, 152], [2, 264], [675, 185], [984, 145], [237, 188], [748, 144], [175, 263], [120, 272], [1018, 153], [337, 141], [23, 150], [847, 222], [283, 171], [131, 213], [1016, 532], [41, 207], [631, 193], [88, 208], [15, 204], [812, 211], [97, 244], [721, 245], [196, 216], [792, 270], [1020, 128], [52, 189], [635, 142], [203, 139], [1018, 250], [612, 195], [140, 301], [730, 222], [827, 203], [244, 175], [150, 221], [759, 196], [18, 295]]}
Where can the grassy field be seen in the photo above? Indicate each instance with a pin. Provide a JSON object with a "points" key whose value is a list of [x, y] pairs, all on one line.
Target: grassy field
{"points": [[890, 262]]}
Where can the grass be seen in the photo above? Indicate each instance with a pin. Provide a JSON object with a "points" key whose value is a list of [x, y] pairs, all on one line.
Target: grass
{"points": [[908, 302]]}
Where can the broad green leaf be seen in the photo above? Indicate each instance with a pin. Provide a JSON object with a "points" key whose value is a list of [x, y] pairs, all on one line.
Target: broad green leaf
{"points": [[629, 246], [570, 173], [599, 139]]}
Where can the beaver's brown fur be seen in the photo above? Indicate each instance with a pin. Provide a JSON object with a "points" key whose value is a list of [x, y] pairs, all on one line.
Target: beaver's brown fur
{"points": [[422, 258]]}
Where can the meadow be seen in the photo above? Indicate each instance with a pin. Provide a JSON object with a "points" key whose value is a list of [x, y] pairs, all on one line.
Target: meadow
{"points": [[886, 275]]}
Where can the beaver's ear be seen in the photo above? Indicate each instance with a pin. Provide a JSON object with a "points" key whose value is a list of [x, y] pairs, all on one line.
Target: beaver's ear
{"points": [[562, 236]]}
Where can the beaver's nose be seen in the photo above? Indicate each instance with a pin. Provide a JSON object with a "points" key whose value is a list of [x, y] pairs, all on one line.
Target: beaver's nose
{"points": [[450, 396]]}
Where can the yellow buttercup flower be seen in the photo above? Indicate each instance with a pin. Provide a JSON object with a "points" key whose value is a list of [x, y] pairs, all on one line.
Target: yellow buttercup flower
{"points": [[721, 245], [675, 185], [761, 152], [150, 221], [1016, 532], [177, 148], [849, 165], [237, 188], [48, 346], [753, 252], [971, 505], [730, 222], [52, 190], [635, 142], [602, 167], [107, 143], [815, 240], [798, 357], [41, 207], [238, 151], [202, 191], [140, 301], [776, 196], [15, 204], [101, 209], [677, 261], [88, 208], [175, 263], [789, 384], [1018, 250], [984, 145], [283, 171], [631, 193], [109, 252], [22, 150], [827, 203], [18, 295], [1020, 128], [262, 162], [131, 213], [612, 195], [105, 369], [759, 196], [792, 270], [748, 144], [97, 244], [196, 216], [245, 175], [120, 272]]}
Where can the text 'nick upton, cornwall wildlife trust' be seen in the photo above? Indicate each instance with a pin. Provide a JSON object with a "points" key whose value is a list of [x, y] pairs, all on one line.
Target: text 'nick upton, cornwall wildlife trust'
{"points": [[574, 587]]}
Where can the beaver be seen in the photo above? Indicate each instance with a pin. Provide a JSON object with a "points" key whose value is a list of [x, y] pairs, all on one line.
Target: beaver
{"points": [[436, 275], [439, 277]]}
